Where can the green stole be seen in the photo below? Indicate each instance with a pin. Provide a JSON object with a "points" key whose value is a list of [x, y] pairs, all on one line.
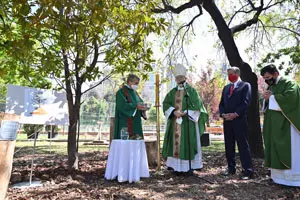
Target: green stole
{"points": [[126, 104], [277, 124], [176, 141]]}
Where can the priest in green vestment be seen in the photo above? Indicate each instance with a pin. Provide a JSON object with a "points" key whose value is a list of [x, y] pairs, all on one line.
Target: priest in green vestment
{"points": [[129, 110], [176, 146], [281, 129]]}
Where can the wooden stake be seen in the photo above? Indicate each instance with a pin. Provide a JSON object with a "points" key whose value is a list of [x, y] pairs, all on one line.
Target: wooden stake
{"points": [[157, 83]]}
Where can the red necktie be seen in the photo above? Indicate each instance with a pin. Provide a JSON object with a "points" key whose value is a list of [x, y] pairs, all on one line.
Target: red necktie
{"points": [[231, 89]]}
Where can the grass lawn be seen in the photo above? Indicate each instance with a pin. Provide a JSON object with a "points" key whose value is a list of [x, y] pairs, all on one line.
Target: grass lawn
{"points": [[216, 146], [60, 148]]}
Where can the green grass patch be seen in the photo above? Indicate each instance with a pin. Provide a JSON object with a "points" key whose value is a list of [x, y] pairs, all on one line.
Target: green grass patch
{"points": [[58, 137], [59, 148], [216, 146]]}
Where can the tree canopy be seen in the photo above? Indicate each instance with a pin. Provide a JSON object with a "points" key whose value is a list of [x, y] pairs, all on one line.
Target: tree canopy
{"points": [[255, 20], [75, 42]]}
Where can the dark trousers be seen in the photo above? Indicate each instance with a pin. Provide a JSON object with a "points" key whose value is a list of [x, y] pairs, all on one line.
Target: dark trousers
{"points": [[237, 131]]}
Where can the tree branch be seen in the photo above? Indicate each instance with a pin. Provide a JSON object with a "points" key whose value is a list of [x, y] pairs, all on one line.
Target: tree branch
{"points": [[265, 32], [179, 9], [274, 4], [109, 43], [59, 82], [1, 17], [187, 26], [77, 58], [254, 20], [96, 54], [281, 27], [99, 83], [239, 11], [251, 4], [250, 22], [246, 24], [67, 79]]}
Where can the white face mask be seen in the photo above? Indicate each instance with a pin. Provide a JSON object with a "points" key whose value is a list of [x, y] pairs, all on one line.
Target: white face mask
{"points": [[134, 87]]}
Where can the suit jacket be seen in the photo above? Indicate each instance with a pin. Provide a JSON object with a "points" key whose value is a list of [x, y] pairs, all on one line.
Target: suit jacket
{"points": [[238, 102]]}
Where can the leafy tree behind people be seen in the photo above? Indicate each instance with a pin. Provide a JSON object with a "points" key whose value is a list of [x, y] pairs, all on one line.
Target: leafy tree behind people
{"points": [[75, 42], [209, 87], [267, 26]]}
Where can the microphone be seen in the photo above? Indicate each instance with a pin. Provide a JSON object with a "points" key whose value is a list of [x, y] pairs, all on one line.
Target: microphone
{"points": [[186, 92]]}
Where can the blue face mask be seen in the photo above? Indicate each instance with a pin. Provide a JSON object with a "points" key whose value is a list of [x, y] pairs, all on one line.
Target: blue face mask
{"points": [[134, 87]]}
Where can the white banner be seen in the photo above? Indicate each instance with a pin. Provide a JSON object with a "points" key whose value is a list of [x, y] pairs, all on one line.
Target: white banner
{"points": [[37, 106], [8, 130]]}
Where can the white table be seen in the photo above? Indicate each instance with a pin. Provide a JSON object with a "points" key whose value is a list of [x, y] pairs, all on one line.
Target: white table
{"points": [[127, 160]]}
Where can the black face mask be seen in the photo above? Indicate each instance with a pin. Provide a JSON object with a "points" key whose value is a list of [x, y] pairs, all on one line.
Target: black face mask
{"points": [[271, 81]]}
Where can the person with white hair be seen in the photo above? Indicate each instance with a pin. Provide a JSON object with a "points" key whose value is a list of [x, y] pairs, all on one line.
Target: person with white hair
{"points": [[185, 124], [235, 100]]}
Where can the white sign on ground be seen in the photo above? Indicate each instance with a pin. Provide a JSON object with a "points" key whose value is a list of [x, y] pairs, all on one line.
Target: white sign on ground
{"points": [[37, 106]]}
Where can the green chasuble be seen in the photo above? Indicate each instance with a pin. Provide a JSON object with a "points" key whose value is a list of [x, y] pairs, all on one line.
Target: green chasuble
{"points": [[126, 110], [277, 124], [176, 136]]}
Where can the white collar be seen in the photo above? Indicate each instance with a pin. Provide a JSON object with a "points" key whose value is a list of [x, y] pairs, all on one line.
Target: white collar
{"points": [[278, 79]]}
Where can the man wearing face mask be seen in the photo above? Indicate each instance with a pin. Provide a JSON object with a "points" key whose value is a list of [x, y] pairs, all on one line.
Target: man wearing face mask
{"points": [[235, 100], [281, 130], [129, 108], [176, 147]]}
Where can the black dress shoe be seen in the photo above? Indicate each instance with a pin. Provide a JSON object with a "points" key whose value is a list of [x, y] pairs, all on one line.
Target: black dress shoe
{"points": [[178, 173], [229, 172], [170, 169], [247, 175]]}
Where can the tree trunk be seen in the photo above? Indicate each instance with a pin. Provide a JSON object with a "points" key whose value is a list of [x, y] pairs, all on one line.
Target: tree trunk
{"points": [[226, 37], [255, 136], [74, 112], [72, 148], [151, 148]]}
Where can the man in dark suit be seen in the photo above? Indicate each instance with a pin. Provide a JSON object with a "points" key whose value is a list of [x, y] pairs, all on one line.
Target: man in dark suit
{"points": [[235, 100]]}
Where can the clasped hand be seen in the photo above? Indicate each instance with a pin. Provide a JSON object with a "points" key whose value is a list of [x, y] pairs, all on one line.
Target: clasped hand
{"points": [[267, 94], [229, 116], [178, 113]]}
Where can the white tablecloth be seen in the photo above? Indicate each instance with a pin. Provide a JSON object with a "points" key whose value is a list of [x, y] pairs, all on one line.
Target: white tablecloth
{"points": [[127, 160]]}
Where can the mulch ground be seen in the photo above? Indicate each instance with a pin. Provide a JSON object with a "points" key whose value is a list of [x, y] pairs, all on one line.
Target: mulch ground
{"points": [[89, 182]]}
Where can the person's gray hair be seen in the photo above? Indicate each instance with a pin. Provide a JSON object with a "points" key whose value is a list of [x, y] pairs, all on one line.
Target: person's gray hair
{"points": [[235, 70], [132, 77]]}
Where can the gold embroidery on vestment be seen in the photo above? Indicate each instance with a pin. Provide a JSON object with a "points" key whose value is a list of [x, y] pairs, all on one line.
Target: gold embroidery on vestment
{"points": [[177, 127]]}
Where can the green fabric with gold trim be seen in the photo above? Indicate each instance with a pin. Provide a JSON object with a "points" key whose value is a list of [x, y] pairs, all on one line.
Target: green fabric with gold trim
{"points": [[195, 103], [277, 124]]}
